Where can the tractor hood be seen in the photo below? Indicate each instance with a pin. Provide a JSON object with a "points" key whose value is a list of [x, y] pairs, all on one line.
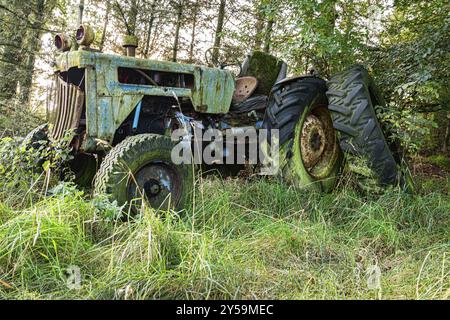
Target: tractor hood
{"points": [[210, 90], [110, 91]]}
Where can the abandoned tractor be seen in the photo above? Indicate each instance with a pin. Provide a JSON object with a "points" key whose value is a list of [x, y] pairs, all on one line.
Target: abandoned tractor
{"points": [[120, 113]]}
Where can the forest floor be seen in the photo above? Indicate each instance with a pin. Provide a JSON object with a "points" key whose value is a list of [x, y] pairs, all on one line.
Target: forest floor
{"points": [[244, 238]]}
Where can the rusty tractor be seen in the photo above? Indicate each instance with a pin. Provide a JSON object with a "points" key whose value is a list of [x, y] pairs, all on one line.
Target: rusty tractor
{"points": [[120, 112]]}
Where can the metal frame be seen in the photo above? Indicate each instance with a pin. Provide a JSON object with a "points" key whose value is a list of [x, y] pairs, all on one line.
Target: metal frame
{"points": [[109, 103]]}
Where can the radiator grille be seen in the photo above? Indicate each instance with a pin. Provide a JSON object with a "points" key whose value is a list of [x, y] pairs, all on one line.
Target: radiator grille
{"points": [[65, 107]]}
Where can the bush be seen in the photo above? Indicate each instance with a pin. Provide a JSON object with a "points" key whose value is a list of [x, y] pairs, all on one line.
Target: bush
{"points": [[440, 160]]}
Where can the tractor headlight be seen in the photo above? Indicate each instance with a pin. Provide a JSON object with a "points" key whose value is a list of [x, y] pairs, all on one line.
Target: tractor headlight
{"points": [[63, 43], [85, 35]]}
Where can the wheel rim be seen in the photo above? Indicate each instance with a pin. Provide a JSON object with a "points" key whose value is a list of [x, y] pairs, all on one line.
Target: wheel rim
{"points": [[157, 182], [318, 144]]}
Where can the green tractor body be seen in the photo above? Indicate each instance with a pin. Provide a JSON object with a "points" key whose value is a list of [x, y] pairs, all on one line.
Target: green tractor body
{"points": [[119, 114], [99, 92]]}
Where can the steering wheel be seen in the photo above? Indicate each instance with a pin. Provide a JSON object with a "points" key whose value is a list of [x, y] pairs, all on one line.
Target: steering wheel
{"points": [[222, 60]]}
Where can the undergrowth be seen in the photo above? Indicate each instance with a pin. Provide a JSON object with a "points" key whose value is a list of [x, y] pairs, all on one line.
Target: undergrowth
{"points": [[243, 238]]}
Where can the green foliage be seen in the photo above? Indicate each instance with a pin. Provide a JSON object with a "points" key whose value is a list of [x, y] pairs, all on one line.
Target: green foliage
{"points": [[26, 173], [406, 126], [405, 46], [411, 67], [435, 185], [42, 156], [327, 36], [440, 160], [242, 239], [412, 63]]}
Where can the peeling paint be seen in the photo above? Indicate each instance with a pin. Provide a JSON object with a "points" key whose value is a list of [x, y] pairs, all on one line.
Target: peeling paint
{"points": [[109, 102]]}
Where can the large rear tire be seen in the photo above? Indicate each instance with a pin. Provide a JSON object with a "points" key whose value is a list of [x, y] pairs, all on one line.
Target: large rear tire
{"points": [[140, 167], [309, 151], [353, 98]]}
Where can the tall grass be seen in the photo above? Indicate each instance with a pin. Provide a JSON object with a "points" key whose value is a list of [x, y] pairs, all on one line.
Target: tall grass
{"points": [[244, 239]]}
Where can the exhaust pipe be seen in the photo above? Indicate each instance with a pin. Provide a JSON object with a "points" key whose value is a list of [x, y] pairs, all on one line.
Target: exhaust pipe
{"points": [[130, 43]]}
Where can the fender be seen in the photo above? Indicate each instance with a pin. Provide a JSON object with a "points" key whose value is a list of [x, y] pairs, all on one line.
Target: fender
{"points": [[292, 79]]}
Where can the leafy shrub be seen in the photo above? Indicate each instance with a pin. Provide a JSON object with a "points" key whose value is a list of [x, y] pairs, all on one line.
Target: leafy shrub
{"points": [[42, 156], [406, 126], [440, 160], [27, 173]]}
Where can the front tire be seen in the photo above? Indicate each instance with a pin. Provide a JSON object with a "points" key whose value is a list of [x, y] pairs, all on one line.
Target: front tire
{"points": [[81, 170], [140, 167]]}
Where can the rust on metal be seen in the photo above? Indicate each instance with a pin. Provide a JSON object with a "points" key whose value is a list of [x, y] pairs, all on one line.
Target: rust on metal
{"points": [[245, 87], [65, 108], [318, 141], [109, 102], [312, 141]]}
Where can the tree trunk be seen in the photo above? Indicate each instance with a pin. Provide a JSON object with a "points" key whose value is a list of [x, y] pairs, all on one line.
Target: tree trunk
{"points": [[259, 28], [105, 26], [12, 58], [268, 35], [328, 16], [219, 30], [33, 45], [179, 7], [132, 18], [151, 20], [194, 27], [129, 19], [80, 12]]}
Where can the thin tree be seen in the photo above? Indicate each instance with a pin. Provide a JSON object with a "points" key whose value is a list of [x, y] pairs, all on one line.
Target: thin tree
{"points": [[33, 44], [259, 26], [129, 19], [179, 15], [268, 35], [195, 10], [80, 12], [14, 20], [151, 21], [105, 25], [219, 31]]}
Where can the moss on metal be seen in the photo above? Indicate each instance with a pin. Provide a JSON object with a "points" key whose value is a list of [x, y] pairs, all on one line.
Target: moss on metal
{"points": [[130, 41], [109, 102], [265, 68], [295, 171]]}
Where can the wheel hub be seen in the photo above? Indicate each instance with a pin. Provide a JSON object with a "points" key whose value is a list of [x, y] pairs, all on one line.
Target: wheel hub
{"points": [[158, 183], [312, 141], [318, 144], [152, 188]]}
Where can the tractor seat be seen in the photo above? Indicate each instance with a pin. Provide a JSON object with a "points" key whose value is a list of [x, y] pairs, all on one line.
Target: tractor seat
{"points": [[245, 87], [266, 68], [244, 99], [260, 72]]}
